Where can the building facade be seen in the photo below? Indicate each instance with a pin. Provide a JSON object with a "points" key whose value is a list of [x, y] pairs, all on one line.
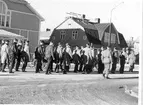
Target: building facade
{"points": [[80, 31], [19, 17], [76, 32]]}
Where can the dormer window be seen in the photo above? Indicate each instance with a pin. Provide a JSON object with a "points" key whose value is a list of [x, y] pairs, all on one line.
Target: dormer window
{"points": [[5, 15]]}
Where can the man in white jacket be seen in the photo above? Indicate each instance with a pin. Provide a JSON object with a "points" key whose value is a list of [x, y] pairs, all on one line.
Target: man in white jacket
{"points": [[4, 55]]}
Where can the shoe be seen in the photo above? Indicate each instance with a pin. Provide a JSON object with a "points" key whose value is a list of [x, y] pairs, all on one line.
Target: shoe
{"points": [[11, 72], [107, 78], [3, 71], [17, 70], [103, 75]]}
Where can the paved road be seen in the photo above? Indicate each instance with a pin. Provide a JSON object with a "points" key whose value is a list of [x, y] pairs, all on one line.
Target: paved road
{"points": [[70, 89]]}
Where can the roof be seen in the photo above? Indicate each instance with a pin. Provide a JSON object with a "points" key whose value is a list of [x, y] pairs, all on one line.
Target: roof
{"points": [[101, 27], [123, 43], [29, 6], [7, 34], [84, 23]]}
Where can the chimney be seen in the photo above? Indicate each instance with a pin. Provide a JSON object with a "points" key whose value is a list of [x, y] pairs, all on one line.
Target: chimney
{"points": [[97, 20], [83, 16], [47, 29]]}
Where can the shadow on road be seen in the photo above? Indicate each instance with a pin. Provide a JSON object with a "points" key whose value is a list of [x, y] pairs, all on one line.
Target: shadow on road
{"points": [[124, 78]]}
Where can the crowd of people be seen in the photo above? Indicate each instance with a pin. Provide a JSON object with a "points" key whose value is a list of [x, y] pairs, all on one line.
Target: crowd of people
{"points": [[85, 59]]}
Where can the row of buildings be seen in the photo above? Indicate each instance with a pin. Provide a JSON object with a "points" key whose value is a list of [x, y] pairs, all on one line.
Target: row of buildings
{"points": [[19, 17]]}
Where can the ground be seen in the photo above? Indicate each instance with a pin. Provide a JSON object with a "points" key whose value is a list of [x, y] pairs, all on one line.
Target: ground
{"points": [[69, 89]]}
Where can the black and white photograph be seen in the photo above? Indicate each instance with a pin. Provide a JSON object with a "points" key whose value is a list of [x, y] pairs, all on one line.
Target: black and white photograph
{"points": [[71, 52]]}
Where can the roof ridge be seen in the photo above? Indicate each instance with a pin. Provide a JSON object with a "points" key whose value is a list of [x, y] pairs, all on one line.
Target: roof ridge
{"points": [[20, 1]]}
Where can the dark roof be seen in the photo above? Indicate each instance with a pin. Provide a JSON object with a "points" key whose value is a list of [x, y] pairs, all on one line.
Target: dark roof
{"points": [[84, 23], [90, 30], [20, 1], [101, 27], [123, 43]]}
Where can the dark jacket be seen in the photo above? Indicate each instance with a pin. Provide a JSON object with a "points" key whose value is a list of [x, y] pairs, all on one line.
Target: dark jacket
{"points": [[83, 59], [76, 58]]}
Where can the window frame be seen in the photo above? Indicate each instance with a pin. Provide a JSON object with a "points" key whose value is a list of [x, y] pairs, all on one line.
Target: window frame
{"points": [[75, 34], [6, 14], [62, 34]]}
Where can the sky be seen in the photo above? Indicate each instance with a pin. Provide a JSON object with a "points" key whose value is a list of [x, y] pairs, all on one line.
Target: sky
{"points": [[127, 15]]}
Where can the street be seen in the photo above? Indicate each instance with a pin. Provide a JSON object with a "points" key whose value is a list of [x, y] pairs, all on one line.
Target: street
{"points": [[69, 89]]}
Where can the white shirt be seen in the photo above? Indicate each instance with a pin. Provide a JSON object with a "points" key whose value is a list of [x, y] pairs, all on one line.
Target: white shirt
{"points": [[68, 50], [59, 50], [4, 52]]}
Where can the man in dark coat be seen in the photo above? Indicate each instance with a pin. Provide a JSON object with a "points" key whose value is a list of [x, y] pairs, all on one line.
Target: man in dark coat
{"points": [[99, 60], [49, 55], [66, 61], [13, 55], [39, 56], [114, 60], [84, 62], [76, 61], [122, 61], [19, 50]]}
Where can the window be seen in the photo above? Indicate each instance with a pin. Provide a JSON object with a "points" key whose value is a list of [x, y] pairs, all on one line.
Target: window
{"points": [[62, 35], [5, 15], [53, 37], [74, 35], [106, 37], [113, 38], [84, 37]]}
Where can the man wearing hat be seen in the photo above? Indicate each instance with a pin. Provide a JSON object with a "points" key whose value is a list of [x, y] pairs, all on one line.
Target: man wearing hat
{"points": [[13, 55]]}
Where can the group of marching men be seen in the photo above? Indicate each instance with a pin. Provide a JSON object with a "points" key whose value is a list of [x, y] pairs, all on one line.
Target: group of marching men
{"points": [[12, 54], [84, 59]]}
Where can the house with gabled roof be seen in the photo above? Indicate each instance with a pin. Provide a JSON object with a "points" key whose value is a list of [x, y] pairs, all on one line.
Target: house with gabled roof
{"points": [[115, 39], [19, 17], [75, 31], [80, 31]]}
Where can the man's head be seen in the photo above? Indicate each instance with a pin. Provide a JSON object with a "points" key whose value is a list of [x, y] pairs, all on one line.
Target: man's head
{"points": [[15, 41], [51, 43], [87, 45], [27, 42], [6, 42], [41, 43], [2, 41]]}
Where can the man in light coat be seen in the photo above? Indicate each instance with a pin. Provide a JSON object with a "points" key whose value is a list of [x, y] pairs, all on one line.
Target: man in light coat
{"points": [[4, 55], [49, 55], [107, 60]]}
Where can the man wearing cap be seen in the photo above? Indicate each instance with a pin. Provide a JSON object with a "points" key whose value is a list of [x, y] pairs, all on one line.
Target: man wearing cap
{"points": [[4, 55], [13, 55], [48, 56]]}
